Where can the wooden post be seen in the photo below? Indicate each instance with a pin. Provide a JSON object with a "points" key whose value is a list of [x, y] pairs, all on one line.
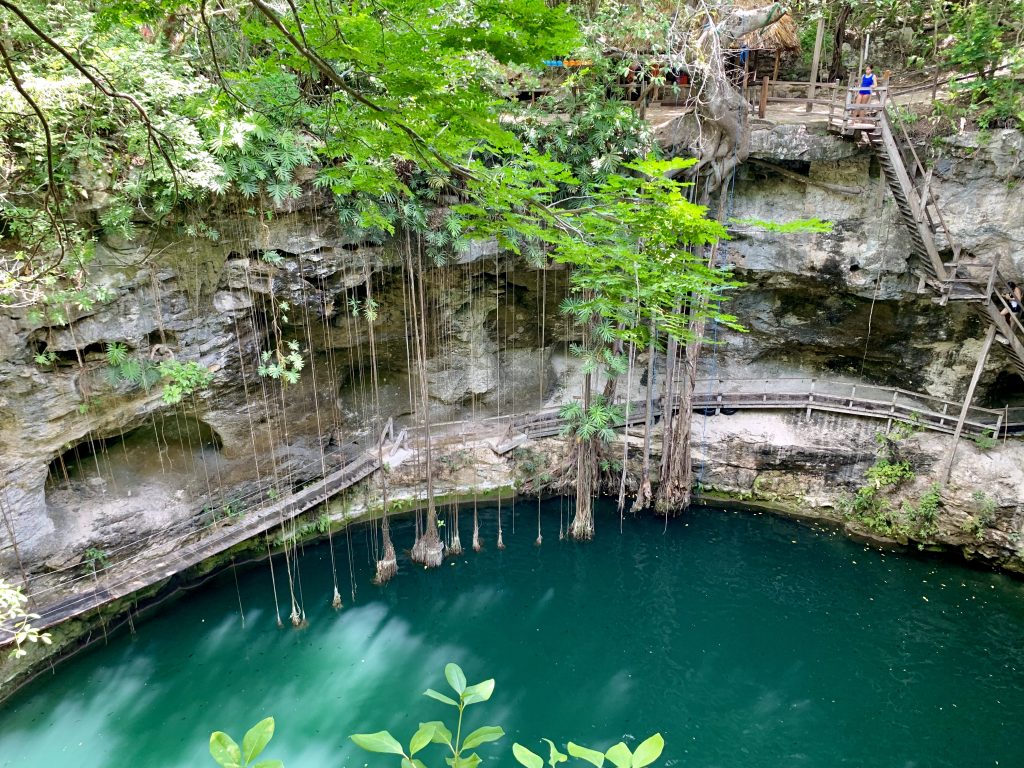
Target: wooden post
{"points": [[816, 59], [775, 72], [982, 357], [992, 277], [762, 106]]}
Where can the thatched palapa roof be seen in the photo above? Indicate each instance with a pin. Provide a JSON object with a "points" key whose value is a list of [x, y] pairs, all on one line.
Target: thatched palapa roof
{"points": [[782, 35]]}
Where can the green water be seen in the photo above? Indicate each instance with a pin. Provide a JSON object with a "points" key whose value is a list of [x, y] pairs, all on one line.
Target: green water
{"points": [[747, 640]]}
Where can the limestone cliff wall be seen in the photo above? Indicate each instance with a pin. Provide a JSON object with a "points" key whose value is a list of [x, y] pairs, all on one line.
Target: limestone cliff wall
{"points": [[92, 462]]}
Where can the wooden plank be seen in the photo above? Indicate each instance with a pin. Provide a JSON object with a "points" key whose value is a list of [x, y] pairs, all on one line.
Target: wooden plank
{"points": [[982, 356], [819, 35]]}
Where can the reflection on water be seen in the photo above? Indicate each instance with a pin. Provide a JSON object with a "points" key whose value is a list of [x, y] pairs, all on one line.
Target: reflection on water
{"points": [[746, 640]]}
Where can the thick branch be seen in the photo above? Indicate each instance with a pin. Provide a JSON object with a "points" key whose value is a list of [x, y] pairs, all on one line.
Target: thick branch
{"points": [[155, 135]]}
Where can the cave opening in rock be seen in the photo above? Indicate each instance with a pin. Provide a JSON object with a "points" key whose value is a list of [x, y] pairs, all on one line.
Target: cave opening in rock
{"points": [[176, 449], [1006, 390]]}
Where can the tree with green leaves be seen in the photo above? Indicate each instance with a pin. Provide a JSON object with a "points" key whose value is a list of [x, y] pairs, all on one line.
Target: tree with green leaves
{"points": [[457, 747], [228, 754], [16, 623], [639, 274]]}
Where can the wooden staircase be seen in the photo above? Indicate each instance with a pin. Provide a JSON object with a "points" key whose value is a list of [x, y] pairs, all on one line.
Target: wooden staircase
{"points": [[961, 279]]}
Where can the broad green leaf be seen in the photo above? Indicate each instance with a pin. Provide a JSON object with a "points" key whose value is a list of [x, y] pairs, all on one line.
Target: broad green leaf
{"points": [[224, 750], [648, 751], [456, 678], [592, 756], [526, 757], [269, 764], [472, 761], [381, 741], [620, 756], [556, 756], [482, 736], [440, 697], [257, 739], [441, 733], [422, 737], [479, 692]]}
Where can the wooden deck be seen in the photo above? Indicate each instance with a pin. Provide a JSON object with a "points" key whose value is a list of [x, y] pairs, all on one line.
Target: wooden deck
{"points": [[121, 580]]}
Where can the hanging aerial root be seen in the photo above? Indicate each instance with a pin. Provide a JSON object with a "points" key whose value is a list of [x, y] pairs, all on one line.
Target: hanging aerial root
{"points": [[476, 533], [428, 550], [387, 566], [336, 601], [643, 497], [455, 547], [386, 570], [501, 543]]}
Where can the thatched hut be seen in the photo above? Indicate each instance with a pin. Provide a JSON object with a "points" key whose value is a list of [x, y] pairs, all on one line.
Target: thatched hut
{"points": [[764, 47]]}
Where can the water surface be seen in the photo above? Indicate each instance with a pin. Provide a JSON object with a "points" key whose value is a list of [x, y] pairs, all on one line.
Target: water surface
{"points": [[747, 640]]}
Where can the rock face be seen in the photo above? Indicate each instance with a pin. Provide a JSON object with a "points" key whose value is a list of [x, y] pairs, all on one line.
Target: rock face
{"points": [[816, 464], [92, 460]]}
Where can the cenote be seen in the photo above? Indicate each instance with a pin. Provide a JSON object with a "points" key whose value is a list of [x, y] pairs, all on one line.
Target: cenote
{"points": [[745, 639]]}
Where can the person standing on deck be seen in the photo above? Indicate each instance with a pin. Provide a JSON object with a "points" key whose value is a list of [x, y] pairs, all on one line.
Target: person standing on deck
{"points": [[867, 85]]}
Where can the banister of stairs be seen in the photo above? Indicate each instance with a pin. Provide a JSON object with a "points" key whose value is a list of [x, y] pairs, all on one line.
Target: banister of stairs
{"points": [[926, 196], [992, 277]]}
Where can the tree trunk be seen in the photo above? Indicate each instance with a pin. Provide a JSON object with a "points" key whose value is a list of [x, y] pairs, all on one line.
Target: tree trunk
{"points": [[836, 70]]}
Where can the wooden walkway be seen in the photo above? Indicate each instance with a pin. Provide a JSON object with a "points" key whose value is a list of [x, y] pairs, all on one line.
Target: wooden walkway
{"points": [[712, 396], [117, 583]]}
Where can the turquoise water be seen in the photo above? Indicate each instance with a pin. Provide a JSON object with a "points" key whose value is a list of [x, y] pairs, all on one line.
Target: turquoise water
{"points": [[747, 640]]}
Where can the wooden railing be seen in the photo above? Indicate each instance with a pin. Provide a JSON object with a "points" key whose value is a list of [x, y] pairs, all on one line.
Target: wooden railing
{"points": [[125, 576]]}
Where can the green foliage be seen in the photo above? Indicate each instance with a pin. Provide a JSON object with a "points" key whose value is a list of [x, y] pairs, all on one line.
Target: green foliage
{"points": [[182, 379], [285, 366], [619, 755], [96, 559], [226, 752], [45, 359], [984, 514], [902, 429], [813, 225], [871, 504], [987, 44], [436, 732], [595, 422], [921, 520], [15, 621], [984, 442]]}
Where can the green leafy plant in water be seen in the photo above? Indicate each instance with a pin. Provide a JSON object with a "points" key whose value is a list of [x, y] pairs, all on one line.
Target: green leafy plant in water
{"points": [[455, 747], [226, 752], [436, 732]]}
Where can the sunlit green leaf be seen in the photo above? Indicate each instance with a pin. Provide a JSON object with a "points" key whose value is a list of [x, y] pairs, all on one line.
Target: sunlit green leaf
{"points": [[482, 736], [381, 741], [225, 750], [526, 757], [648, 751]]}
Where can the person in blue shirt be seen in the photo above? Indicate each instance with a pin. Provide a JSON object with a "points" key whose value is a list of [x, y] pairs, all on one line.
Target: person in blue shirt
{"points": [[867, 85]]}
